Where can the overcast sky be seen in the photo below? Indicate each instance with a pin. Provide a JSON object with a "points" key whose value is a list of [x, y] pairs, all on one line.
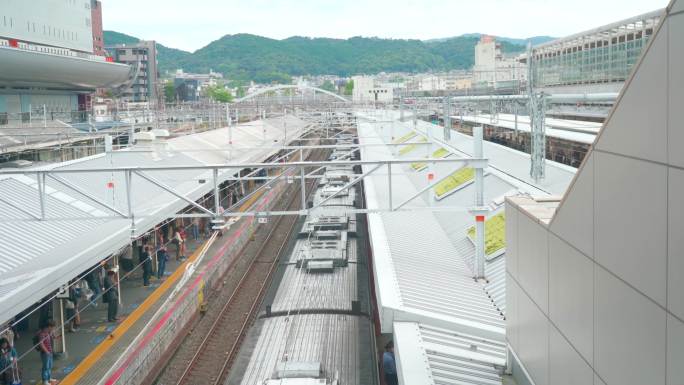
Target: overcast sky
{"points": [[192, 24]]}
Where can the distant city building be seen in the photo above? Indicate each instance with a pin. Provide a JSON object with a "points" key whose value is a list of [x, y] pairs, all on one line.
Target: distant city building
{"points": [[143, 57], [493, 67], [188, 87], [98, 33], [367, 90], [441, 82], [50, 62], [599, 60]]}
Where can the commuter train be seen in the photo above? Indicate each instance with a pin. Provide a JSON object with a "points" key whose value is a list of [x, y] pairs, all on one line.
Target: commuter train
{"points": [[315, 325]]}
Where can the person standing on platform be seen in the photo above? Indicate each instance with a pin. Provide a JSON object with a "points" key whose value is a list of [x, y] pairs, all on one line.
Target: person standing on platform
{"points": [[46, 342], [183, 237], [389, 366], [111, 296], [146, 261], [195, 229], [162, 258], [93, 281], [9, 372]]}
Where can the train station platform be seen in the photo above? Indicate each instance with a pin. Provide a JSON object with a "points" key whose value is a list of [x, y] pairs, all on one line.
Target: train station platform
{"points": [[137, 301], [110, 343], [80, 231]]}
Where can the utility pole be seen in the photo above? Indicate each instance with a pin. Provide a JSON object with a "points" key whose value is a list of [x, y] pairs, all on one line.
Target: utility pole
{"points": [[447, 119], [537, 107]]}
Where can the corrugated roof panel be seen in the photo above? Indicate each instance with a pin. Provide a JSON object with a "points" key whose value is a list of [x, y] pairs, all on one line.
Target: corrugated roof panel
{"points": [[36, 257], [431, 355]]}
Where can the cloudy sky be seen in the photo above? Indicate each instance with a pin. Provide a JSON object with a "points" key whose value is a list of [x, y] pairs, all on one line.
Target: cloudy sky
{"points": [[192, 24]]}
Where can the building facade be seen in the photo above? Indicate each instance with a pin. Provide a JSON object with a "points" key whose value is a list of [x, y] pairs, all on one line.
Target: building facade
{"points": [[599, 60], [143, 57], [49, 61], [98, 32], [493, 67], [188, 86], [366, 90], [595, 282]]}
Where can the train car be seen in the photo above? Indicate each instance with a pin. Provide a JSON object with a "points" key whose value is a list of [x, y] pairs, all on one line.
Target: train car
{"points": [[316, 325]]}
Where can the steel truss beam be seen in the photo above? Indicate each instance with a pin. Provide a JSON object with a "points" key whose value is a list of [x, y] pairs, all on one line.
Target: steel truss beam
{"points": [[288, 167]]}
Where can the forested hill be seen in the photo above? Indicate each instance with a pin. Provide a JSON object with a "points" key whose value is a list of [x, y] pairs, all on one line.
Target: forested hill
{"points": [[251, 57]]}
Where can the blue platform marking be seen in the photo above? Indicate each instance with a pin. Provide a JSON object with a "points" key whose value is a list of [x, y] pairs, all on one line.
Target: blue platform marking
{"points": [[97, 339]]}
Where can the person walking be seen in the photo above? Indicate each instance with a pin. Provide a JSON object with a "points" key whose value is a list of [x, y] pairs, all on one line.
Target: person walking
{"points": [[146, 261], [9, 372], [45, 345], [111, 296], [389, 366], [162, 258]]}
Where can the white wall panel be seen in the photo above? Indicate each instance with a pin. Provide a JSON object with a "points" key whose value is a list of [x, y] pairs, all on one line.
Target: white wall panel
{"points": [[571, 295], [566, 366], [676, 90], [630, 131], [675, 267], [533, 340], [574, 220], [512, 249], [631, 221], [533, 262], [678, 6], [512, 317], [629, 346], [675, 351]]}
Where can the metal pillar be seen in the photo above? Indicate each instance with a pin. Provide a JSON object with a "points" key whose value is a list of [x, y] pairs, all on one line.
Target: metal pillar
{"points": [[537, 106], [389, 185], [479, 202], [61, 324], [447, 119], [303, 187], [401, 110], [41, 192]]}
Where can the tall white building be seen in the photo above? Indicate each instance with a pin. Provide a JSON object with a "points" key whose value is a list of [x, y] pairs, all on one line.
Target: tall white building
{"points": [[367, 90], [492, 66], [595, 282]]}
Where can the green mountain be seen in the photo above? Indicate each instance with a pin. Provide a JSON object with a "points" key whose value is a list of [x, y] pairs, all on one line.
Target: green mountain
{"points": [[535, 40], [264, 60]]}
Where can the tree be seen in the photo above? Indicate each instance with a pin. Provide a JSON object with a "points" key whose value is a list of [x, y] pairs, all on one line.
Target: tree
{"points": [[241, 92], [349, 88], [169, 92], [328, 86], [219, 94]]}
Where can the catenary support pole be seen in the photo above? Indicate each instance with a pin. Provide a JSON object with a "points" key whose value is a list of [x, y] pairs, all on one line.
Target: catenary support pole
{"points": [[479, 202]]}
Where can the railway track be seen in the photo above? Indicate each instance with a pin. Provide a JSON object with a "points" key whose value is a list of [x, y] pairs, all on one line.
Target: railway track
{"points": [[207, 353]]}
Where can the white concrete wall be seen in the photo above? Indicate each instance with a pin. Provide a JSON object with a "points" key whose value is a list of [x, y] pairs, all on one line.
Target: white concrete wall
{"points": [[597, 296], [60, 23]]}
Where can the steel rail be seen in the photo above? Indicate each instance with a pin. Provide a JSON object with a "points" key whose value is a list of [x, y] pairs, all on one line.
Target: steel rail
{"points": [[217, 322]]}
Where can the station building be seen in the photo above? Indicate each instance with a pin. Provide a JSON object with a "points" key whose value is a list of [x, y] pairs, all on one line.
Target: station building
{"points": [[51, 60]]}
